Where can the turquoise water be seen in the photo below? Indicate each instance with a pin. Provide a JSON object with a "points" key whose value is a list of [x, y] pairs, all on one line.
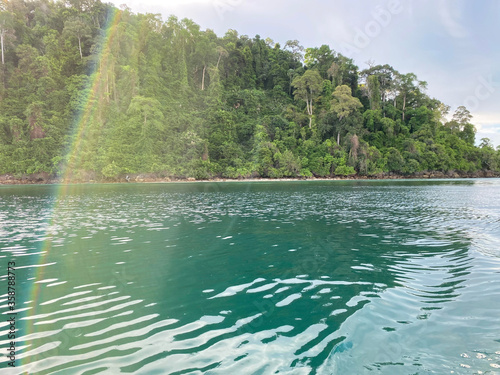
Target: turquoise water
{"points": [[323, 277]]}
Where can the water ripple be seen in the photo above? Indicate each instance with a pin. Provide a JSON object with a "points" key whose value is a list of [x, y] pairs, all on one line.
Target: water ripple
{"points": [[301, 278]]}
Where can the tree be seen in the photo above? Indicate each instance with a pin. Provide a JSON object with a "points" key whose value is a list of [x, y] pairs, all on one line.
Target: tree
{"points": [[149, 110], [79, 29], [386, 76], [307, 88], [395, 161], [205, 51], [319, 58], [296, 49], [343, 71], [373, 86], [6, 30], [486, 143], [408, 86], [222, 53], [344, 104], [468, 134], [461, 126], [462, 115]]}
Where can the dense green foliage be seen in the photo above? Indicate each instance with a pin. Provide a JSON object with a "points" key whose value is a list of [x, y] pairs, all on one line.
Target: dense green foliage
{"points": [[104, 93]]}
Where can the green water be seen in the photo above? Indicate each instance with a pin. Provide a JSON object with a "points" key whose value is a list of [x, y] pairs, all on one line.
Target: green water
{"points": [[337, 277]]}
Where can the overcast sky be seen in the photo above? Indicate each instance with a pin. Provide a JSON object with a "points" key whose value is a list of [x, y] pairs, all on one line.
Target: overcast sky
{"points": [[453, 45]]}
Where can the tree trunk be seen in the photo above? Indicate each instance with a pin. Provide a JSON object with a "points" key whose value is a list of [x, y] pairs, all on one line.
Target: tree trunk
{"points": [[218, 61], [1, 40], [309, 112], [338, 138], [309, 106], [203, 78], [404, 106], [80, 48]]}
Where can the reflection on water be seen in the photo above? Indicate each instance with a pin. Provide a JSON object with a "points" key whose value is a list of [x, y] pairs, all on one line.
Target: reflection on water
{"points": [[259, 278]]}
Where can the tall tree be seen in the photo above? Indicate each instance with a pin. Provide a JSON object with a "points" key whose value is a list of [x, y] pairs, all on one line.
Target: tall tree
{"points": [[319, 58], [6, 31], [221, 52], [462, 115], [385, 74], [373, 86], [296, 49], [79, 29], [344, 104], [408, 85], [205, 52], [307, 88]]}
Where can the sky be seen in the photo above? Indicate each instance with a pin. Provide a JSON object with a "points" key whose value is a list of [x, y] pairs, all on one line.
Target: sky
{"points": [[453, 45]]}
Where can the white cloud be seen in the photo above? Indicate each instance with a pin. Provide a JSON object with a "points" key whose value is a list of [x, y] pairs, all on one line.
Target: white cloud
{"points": [[488, 118], [450, 14], [487, 126]]}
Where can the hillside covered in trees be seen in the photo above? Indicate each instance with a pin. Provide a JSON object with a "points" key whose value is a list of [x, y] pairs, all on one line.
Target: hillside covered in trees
{"points": [[93, 92]]}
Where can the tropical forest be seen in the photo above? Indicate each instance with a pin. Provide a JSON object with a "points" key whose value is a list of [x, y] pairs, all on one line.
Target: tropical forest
{"points": [[91, 92]]}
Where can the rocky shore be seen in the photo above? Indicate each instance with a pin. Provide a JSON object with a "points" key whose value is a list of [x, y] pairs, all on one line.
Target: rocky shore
{"points": [[45, 178]]}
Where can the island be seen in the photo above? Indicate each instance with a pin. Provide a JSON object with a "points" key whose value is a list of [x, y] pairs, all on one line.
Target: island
{"points": [[90, 92]]}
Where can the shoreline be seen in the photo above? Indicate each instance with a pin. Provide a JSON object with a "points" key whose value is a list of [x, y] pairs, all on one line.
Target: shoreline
{"points": [[44, 179]]}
